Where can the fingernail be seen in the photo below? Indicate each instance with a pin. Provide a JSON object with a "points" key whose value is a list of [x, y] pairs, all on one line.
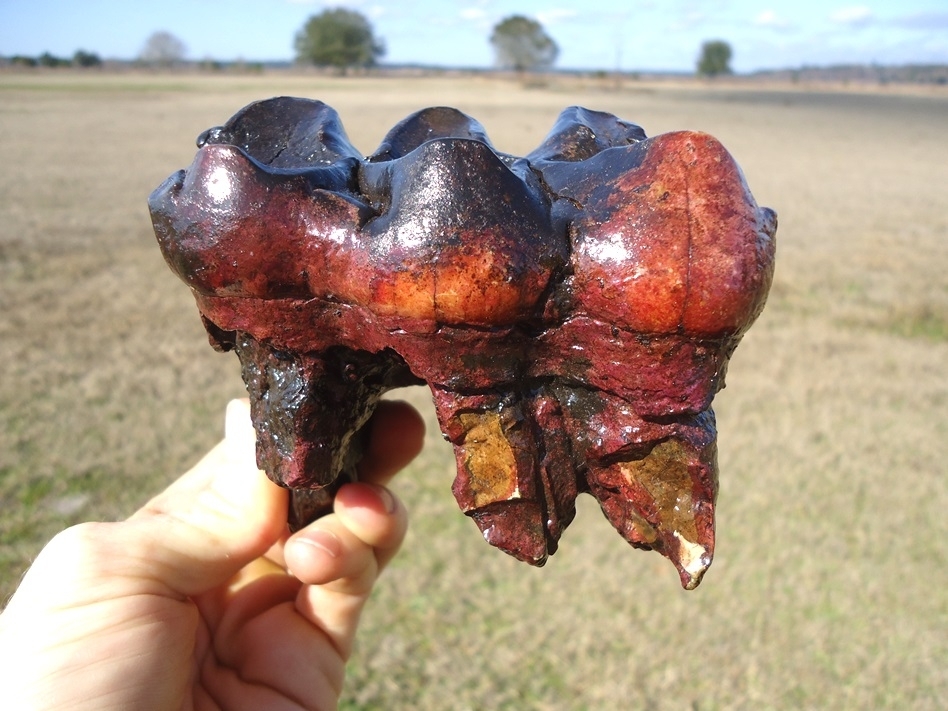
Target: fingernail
{"points": [[322, 539], [388, 500]]}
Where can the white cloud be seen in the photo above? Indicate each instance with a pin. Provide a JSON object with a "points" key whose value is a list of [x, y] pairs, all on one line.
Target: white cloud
{"points": [[770, 19], [687, 19], [555, 15], [853, 16], [476, 16], [473, 14]]}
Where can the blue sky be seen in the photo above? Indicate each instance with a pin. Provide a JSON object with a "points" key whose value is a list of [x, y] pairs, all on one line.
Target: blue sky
{"points": [[603, 34]]}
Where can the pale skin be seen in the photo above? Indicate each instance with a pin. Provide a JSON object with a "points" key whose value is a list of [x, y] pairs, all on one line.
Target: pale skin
{"points": [[201, 600]]}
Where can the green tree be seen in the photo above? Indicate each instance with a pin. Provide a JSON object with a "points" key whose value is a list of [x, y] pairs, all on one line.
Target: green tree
{"points": [[163, 48], [338, 38], [715, 58], [49, 60], [522, 44], [19, 60], [86, 59]]}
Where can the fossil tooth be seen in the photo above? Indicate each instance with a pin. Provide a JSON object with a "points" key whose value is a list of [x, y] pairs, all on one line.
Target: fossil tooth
{"points": [[572, 311]]}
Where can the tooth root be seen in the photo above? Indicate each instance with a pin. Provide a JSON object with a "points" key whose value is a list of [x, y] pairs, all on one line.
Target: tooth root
{"points": [[496, 482], [309, 420], [665, 501], [555, 468], [692, 561], [489, 466], [514, 473], [515, 527]]}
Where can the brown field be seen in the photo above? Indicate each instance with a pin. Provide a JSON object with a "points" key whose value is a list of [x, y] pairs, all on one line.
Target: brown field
{"points": [[830, 585]]}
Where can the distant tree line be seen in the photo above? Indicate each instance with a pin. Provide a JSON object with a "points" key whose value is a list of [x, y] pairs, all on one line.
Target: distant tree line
{"points": [[160, 49], [340, 38], [81, 58]]}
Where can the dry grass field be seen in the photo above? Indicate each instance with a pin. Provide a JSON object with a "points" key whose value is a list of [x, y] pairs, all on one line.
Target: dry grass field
{"points": [[830, 585]]}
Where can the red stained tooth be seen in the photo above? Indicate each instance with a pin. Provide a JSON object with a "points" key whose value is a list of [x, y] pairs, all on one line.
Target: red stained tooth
{"points": [[671, 240], [573, 312]]}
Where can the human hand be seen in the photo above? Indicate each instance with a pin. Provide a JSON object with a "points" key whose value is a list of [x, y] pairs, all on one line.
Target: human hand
{"points": [[201, 600]]}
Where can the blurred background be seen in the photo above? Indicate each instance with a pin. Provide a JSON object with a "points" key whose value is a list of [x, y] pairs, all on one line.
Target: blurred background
{"points": [[634, 36], [829, 584]]}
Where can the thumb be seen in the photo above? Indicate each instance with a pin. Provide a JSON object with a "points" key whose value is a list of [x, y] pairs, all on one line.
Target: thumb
{"points": [[211, 522]]}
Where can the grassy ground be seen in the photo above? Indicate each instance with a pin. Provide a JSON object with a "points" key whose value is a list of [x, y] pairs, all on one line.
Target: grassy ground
{"points": [[829, 585]]}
